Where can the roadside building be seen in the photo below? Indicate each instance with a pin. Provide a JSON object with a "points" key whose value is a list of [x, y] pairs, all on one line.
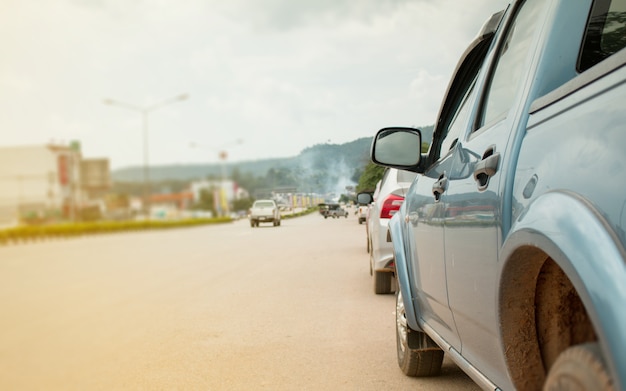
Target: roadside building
{"points": [[224, 193], [41, 183], [170, 206]]}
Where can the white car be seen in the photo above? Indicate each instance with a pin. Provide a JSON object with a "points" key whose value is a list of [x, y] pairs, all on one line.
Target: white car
{"points": [[387, 200], [264, 211]]}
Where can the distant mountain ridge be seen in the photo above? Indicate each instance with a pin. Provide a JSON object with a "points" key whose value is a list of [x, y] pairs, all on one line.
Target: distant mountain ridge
{"points": [[340, 159]]}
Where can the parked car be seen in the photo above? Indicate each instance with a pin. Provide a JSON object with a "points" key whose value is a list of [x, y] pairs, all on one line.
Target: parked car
{"points": [[367, 198], [384, 203], [510, 246], [264, 211]]}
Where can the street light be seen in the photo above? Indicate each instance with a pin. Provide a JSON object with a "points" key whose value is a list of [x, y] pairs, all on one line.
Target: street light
{"points": [[145, 110], [222, 155]]}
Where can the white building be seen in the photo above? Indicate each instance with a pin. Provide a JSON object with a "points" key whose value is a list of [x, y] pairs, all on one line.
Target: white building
{"points": [[224, 192], [40, 181]]}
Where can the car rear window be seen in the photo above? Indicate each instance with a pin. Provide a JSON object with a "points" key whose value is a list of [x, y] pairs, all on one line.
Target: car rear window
{"points": [[263, 204]]}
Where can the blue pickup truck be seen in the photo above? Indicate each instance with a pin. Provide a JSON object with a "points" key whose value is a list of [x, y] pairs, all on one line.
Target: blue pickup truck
{"points": [[510, 247]]}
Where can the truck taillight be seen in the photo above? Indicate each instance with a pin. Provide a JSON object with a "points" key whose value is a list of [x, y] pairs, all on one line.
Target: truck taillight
{"points": [[391, 205]]}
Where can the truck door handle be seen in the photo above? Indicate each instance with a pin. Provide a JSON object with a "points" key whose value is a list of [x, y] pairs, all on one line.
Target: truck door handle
{"points": [[440, 187], [486, 168]]}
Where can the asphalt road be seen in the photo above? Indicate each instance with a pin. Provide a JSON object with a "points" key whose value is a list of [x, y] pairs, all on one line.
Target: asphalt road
{"points": [[223, 307]]}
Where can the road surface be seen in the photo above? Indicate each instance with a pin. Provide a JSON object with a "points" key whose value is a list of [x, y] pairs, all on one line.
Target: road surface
{"points": [[225, 307]]}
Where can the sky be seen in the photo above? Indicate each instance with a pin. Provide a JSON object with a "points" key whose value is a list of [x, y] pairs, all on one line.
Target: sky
{"points": [[263, 78]]}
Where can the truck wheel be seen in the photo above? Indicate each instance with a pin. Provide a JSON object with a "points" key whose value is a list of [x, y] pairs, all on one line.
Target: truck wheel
{"points": [[252, 223], [413, 362], [579, 367], [382, 282]]}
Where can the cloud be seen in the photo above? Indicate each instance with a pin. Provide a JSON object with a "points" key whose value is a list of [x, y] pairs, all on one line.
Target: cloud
{"points": [[427, 92], [280, 74]]}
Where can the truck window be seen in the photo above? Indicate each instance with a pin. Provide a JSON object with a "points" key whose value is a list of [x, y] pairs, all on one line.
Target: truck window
{"points": [[456, 107], [457, 125], [605, 34], [511, 60]]}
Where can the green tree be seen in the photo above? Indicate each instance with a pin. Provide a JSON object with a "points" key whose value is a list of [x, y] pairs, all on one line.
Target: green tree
{"points": [[279, 177], [206, 201], [344, 198], [370, 177], [242, 204]]}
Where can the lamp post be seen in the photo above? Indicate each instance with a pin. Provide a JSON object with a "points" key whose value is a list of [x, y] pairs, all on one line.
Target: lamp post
{"points": [[145, 110], [222, 155]]}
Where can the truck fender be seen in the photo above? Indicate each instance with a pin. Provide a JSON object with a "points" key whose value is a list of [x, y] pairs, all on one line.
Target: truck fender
{"points": [[568, 229], [402, 273]]}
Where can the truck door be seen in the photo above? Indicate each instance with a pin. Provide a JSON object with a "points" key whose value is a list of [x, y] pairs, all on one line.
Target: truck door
{"points": [[474, 199], [425, 213], [424, 219]]}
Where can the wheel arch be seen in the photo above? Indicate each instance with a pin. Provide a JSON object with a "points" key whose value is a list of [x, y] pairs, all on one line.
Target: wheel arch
{"points": [[560, 239], [401, 270]]}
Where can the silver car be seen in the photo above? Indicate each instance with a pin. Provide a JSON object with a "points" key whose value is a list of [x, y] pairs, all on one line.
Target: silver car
{"points": [[387, 199]]}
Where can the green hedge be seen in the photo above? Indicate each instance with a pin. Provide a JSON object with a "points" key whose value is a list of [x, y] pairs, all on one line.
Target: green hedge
{"points": [[29, 233], [302, 213], [32, 233]]}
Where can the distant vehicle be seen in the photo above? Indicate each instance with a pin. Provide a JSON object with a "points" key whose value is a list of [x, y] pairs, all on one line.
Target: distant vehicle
{"points": [[387, 199], [361, 211], [264, 211], [338, 212], [332, 210], [283, 207]]}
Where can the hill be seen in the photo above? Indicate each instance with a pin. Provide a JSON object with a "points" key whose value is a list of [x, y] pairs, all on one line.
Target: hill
{"points": [[327, 167], [317, 157]]}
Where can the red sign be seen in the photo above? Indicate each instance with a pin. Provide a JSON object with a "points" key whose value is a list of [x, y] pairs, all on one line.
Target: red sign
{"points": [[64, 177]]}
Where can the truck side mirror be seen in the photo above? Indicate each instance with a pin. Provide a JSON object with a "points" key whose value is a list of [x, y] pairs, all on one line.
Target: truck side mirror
{"points": [[397, 147]]}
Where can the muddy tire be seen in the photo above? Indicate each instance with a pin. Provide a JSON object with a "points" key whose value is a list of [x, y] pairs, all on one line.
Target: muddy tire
{"points": [[579, 367], [413, 362]]}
